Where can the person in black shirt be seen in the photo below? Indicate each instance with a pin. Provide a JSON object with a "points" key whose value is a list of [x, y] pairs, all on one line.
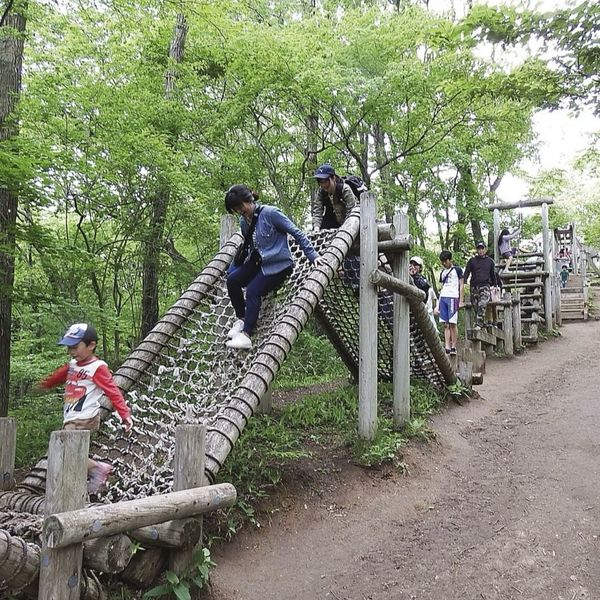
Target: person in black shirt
{"points": [[482, 270]]}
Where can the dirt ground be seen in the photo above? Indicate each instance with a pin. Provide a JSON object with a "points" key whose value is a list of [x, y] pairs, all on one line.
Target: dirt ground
{"points": [[504, 504]]}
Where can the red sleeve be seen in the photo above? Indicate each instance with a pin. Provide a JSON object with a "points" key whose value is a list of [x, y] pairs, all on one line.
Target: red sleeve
{"points": [[103, 379], [57, 378]]}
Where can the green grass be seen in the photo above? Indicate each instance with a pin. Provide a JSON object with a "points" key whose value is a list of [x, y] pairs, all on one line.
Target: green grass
{"points": [[37, 417]]}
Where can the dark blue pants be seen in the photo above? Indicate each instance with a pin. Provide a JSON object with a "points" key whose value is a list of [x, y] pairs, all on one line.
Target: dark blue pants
{"points": [[257, 285]]}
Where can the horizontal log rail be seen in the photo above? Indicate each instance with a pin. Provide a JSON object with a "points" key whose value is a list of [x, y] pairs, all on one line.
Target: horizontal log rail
{"points": [[520, 204], [64, 529]]}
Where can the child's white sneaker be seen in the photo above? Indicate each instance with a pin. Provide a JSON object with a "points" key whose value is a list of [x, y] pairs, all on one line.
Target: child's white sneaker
{"points": [[240, 342], [236, 329]]}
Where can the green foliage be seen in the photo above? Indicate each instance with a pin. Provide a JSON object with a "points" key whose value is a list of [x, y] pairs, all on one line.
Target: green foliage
{"points": [[383, 449], [311, 360], [179, 586], [37, 417]]}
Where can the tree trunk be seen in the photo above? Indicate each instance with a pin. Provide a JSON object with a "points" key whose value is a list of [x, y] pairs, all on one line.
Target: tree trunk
{"points": [[153, 241], [151, 269], [11, 67]]}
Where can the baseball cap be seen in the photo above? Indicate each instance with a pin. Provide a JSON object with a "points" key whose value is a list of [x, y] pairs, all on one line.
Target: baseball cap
{"points": [[324, 172], [417, 259], [480, 244], [79, 332]]}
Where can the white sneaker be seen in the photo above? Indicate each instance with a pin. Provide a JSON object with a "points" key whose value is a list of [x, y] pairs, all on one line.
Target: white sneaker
{"points": [[237, 328], [240, 342]]}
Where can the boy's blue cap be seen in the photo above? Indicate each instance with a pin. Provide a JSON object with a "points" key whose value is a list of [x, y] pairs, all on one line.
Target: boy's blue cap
{"points": [[79, 332], [324, 172], [479, 244]]}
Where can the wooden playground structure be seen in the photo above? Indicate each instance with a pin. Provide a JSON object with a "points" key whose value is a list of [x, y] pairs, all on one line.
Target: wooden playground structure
{"points": [[78, 538]]}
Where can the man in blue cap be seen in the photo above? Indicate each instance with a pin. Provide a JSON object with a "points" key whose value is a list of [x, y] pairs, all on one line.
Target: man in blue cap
{"points": [[334, 200]]}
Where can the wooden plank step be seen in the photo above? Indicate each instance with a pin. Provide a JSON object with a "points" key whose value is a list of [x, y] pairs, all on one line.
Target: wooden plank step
{"points": [[481, 335], [536, 319], [516, 286], [529, 339]]}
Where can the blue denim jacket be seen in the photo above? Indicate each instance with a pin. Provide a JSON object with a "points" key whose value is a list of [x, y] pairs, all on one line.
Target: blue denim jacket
{"points": [[271, 241]]}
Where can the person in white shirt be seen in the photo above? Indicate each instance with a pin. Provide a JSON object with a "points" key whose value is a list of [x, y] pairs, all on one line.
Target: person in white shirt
{"points": [[450, 300]]}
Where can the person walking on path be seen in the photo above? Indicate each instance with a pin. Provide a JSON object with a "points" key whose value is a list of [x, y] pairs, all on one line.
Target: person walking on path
{"points": [[482, 271], [450, 300], [504, 248], [267, 264], [86, 379]]}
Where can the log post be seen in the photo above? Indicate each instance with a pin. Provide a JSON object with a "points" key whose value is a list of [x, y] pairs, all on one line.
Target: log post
{"points": [[229, 225], [507, 324], [188, 472], [401, 342], [367, 345], [465, 373], [548, 267], [516, 321], [557, 302], [8, 446], [496, 215], [60, 569]]}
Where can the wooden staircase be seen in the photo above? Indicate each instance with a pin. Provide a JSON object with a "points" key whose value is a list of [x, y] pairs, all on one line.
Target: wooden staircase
{"points": [[526, 276], [573, 303]]}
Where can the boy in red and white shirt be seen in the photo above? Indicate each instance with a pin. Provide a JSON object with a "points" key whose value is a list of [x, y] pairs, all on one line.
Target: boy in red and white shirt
{"points": [[87, 379]]}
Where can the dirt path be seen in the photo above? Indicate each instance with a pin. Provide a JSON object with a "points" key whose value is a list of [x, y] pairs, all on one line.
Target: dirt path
{"points": [[504, 505]]}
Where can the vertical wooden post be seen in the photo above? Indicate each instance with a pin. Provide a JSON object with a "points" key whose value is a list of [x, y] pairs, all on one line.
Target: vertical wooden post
{"points": [[367, 329], [60, 569], [548, 267], [516, 322], [558, 301], [188, 472], [507, 324], [401, 343], [8, 446], [496, 214], [229, 225], [574, 250]]}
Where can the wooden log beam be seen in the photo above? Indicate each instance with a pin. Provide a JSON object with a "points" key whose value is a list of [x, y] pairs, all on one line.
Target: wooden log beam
{"points": [[19, 562], [527, 203], [172, 534], [67, 528], [402, 243], [381, 279], [146, 563], [8, 446], [416, 298], [109, 555]]}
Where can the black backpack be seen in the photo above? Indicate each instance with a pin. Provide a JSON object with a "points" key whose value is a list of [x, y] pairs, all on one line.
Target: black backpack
{"points": [[357, 185]]}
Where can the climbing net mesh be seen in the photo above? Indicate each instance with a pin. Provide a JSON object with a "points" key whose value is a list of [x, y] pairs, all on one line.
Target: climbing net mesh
{"points": [[195, 375]]}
